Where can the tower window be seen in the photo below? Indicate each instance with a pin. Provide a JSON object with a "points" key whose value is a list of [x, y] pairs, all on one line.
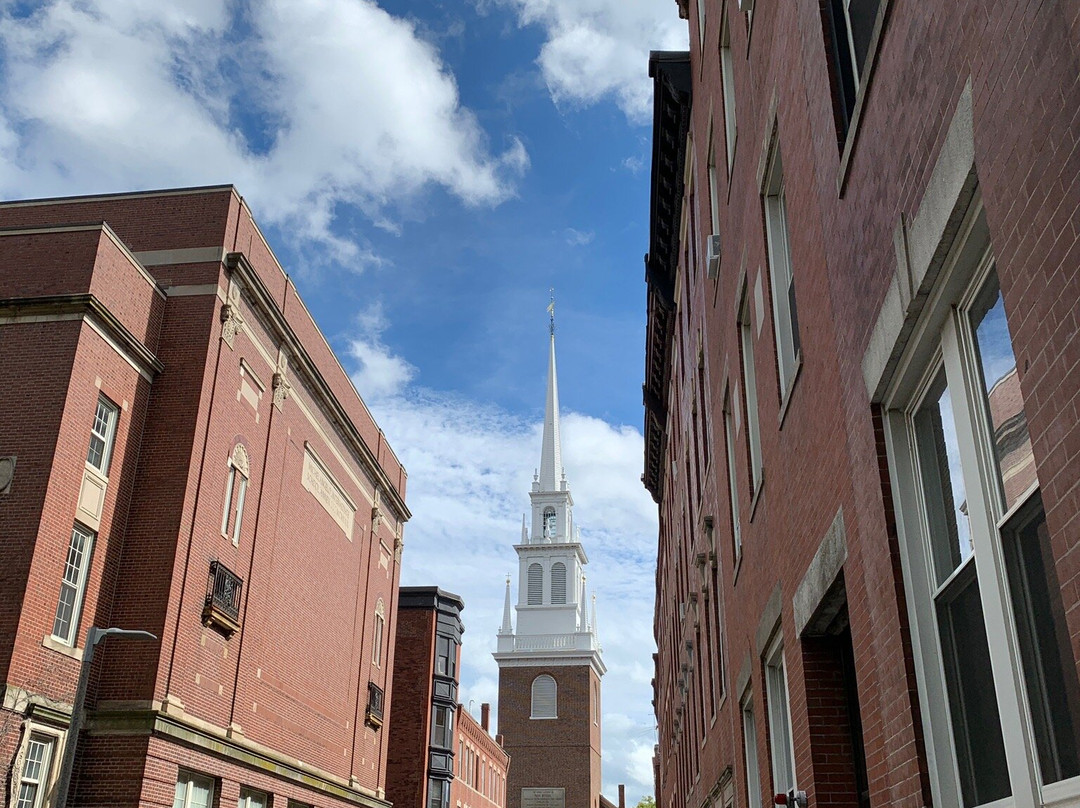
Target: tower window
{"points": [[544, 697], [558, 582], [536, 585], [549, 523]]}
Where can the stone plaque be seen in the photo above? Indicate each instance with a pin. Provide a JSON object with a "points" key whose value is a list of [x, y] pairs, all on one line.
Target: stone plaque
{"points": [[543, 798], [325, 489]]}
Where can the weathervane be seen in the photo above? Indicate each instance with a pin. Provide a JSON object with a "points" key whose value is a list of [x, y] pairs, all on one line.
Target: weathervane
{"points": [[551, 310]]}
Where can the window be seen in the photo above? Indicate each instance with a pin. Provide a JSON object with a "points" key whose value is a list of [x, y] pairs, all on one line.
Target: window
{"points": [[785, 313], [239, 466], [102, 435], [250, 798], [536, 585], [544, 697], [596, 704], [193, 791], [782, 752], [849, 25], [750, 748], [438, 793], [727, 84], [36, 772], [380, 627], [558, 582], [733, 485], [749, 378], [445, 656], [73, 586], [442, 726], [549, 523], [997, 665]]}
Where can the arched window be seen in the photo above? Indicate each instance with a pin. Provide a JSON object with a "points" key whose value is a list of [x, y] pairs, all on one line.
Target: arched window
{"points": [[558, 582], [549, 523], [239, 466], [536, 585], [544, 697], [596, 703], [380, 627]]}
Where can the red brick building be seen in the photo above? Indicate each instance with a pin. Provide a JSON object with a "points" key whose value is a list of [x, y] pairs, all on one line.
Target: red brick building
{"points": [[861, 402], [482, 763], [439, 756], [184, 455]]}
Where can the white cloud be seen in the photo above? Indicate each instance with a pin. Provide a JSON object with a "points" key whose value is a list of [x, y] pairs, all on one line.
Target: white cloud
{"points": [[470, 468], [599, 49], [379, 373], [304, 107]]}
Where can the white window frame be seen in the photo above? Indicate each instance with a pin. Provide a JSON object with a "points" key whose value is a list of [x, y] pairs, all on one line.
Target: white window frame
{"points": [[749, 380], [554, 699], [190, 779], [49, 768], [107, 437], [750, 751], [733, 478], [380, 630], [781, 275], [239, 466], [249, 798], [778, 704], [82, 574], [727, 86], [943, 338]]}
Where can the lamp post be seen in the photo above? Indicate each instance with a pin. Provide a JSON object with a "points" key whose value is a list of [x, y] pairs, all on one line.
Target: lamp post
{"points": [[93, 637]]}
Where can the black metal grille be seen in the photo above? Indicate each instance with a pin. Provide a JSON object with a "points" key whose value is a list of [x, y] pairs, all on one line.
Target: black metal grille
{"points": [[223, 591], [374, 704]]}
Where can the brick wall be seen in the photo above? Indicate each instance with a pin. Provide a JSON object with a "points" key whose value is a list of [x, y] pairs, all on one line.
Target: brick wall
{"points": [[551, 753]]}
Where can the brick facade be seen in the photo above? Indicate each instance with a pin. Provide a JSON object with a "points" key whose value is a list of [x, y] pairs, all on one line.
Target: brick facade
{"points": [[481, 764], [956, 162], [171, 307], [563, 752]]}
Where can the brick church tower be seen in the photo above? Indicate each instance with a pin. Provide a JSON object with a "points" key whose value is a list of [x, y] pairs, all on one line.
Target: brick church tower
{"points": [[550, 668]]}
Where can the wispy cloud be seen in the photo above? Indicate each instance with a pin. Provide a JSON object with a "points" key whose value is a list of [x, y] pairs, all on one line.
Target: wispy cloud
{"points": [[599, 49], [334, 102], [578, 238]]}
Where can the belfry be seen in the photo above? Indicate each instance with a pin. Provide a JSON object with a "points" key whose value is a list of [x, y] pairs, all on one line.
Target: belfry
{"points": [[550, 666]]}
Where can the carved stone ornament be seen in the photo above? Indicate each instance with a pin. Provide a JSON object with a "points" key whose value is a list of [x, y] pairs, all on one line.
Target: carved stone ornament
{"points": [[240, 460], [376, 518], [7, 473], [282, 388], [399, 545], [231, 322]]}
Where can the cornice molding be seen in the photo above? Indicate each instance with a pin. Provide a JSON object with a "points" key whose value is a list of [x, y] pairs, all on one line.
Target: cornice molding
{"points": [[57, 307], [300, 362]]}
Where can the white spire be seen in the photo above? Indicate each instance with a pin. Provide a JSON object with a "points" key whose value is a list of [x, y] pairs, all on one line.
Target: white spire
{"points": [[583, 612], [551, 468], [524, 535], [506, 628], [592, 626]]}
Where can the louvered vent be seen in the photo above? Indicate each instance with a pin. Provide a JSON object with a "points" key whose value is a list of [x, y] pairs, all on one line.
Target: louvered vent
{"points": [[536, 585], [544, 698], [558, 582]]}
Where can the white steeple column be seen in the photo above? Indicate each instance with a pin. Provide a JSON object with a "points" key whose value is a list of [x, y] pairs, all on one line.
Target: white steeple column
{"points": [[552, 611]]}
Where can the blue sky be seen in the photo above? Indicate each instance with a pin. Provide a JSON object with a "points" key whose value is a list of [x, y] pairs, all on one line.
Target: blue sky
{"points": [[426, 171]]}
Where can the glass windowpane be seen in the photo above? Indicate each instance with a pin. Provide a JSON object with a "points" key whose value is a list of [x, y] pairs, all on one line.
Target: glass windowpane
{"points": [[980, 748], [942, 481], [72, 585], [1049, 668], [1004, 400]]}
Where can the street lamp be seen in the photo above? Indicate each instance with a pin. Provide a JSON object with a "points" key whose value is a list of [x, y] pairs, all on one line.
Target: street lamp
{"points": [[93, 637]]}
